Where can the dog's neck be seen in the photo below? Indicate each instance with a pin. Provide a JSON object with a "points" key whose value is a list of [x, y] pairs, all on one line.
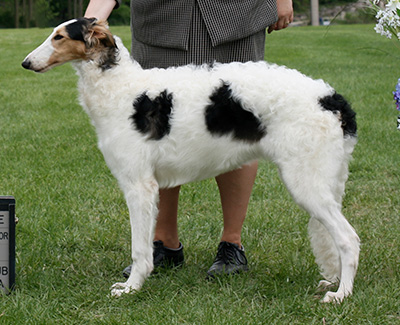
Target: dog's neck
{"points": [[95, 81]]}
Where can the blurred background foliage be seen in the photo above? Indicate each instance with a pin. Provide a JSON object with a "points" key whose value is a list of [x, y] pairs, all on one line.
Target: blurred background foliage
{"points": [[43, 13]]}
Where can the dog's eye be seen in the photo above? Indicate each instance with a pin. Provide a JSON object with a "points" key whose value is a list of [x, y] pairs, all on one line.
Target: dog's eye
{"points": [[58, 37]]}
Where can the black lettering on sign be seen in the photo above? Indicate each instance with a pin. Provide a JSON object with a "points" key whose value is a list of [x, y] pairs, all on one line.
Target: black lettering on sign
{"points": [[4, 270], [2, 219], [4, 235], [1, 284]]}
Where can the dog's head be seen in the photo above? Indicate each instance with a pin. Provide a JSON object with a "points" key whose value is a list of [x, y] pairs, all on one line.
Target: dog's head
{"points": [[77, 39]]}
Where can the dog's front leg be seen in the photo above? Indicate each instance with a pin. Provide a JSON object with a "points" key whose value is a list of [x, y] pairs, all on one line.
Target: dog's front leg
{"points": [[142, 200]]}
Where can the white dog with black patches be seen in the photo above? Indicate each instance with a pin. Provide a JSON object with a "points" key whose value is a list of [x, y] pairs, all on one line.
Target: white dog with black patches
{"points": [[160, 128]]}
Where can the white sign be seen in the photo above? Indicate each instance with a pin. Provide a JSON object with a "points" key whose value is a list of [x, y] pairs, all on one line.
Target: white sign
{"points": [[4, 251]]}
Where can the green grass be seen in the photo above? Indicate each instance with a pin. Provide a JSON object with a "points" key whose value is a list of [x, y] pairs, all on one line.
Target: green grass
{"points": [[73, 235]]}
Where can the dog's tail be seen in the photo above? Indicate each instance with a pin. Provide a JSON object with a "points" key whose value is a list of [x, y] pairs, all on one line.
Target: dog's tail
{"points": [[325, 252], [339, 106]]}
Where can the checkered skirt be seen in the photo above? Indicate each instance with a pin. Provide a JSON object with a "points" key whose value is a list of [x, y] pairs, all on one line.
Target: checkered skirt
{"points": [[198, 46]]}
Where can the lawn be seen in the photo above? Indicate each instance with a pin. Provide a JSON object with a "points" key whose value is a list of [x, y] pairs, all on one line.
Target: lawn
{"points": [[73, 235]]}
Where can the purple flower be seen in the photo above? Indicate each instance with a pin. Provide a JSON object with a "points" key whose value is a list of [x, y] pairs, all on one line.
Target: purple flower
{"points": [[396, 95]]}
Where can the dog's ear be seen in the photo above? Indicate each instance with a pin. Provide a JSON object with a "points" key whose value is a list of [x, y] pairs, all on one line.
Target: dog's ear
{"points": [[100, 44], [99, 34]]}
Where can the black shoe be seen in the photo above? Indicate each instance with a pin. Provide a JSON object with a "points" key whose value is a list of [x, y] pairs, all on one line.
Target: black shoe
{"points": [[162, 257], [230, 259]]}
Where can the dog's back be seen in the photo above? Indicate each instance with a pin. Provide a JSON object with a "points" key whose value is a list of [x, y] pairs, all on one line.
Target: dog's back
{"points": [[253, 110]]}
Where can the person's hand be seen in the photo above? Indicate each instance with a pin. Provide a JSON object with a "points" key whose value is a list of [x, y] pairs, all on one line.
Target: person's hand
{"points": [[285, 15], [100, 9]]}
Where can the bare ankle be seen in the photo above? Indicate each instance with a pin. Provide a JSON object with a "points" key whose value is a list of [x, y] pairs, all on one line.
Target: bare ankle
{"points": [[172, 243], [232, 239]]}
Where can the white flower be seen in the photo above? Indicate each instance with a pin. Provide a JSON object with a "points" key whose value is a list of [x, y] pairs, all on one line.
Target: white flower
{"points": [[393, 5], [388, 21]]}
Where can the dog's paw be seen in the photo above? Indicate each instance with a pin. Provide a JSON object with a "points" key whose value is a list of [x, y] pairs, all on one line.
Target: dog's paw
{"points": [[120, 288], [325, 285], [334, 297]]}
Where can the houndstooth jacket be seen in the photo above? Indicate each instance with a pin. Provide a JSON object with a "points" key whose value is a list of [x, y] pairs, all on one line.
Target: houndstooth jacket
{"points": [[166, 23]]}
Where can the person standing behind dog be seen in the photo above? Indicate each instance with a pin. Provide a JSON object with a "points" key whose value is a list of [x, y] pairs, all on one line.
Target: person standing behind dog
{"points": [[180, 32]]}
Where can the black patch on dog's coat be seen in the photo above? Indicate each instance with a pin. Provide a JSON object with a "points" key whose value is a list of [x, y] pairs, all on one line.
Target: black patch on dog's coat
{"points": [[77, 29], [226, 115], [337, 104], [151, 117]]}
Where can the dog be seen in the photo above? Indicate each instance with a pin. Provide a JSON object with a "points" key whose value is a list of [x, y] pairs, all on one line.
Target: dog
{"points": [[159, 128]]}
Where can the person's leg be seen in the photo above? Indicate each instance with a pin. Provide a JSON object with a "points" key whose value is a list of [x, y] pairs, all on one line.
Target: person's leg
{"points": [[167, 220], [168, 251], [235, 189]]}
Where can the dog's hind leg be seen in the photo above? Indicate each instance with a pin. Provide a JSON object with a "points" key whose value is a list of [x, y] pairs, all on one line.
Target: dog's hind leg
{"points": [[324, 248], [325, 252], [142, 200], [338, 262], [315, 186]]}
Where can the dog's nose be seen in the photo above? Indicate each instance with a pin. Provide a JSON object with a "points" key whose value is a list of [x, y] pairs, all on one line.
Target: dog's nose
{"points": [[26, 64]]}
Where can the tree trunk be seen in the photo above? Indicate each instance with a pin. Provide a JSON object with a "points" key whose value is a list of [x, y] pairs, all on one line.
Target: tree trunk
{"points": [[70, 9], [314, 12], [30, 12], [24, 13], [16, 11], [80, 8]]}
